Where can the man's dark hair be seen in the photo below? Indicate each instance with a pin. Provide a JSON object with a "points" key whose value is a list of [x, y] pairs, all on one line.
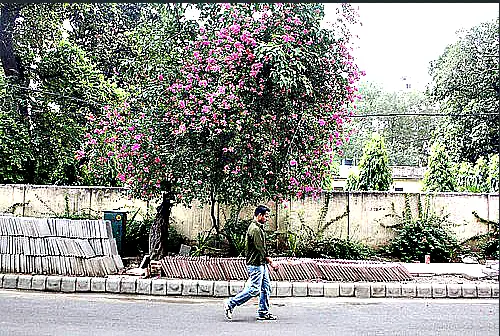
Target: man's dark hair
{"points": [[261, 210]]}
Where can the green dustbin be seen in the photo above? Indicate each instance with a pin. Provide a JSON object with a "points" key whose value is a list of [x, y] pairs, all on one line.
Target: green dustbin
{"points": [[118, 221]]}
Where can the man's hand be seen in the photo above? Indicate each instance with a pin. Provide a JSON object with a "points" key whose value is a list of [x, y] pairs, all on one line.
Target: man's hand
{"points": [[271, 263]]}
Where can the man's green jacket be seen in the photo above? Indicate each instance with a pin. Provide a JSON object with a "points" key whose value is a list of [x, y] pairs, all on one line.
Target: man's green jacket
{"points": [[255, 246]]}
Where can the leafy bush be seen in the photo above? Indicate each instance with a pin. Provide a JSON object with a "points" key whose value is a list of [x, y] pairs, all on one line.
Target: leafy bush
{"points": [[136, 240], [306, 244], [490, 247], [422, 237], [427, 234]]}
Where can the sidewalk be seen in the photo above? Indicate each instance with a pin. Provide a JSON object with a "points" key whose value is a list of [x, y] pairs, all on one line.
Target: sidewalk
{"points": [[470, 271]]}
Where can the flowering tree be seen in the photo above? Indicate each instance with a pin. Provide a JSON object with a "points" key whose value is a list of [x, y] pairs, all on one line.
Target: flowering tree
{"points": [[256, 110]]}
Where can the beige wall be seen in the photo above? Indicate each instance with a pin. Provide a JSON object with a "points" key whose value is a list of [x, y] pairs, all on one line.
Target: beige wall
{"points": [[369, 212]]}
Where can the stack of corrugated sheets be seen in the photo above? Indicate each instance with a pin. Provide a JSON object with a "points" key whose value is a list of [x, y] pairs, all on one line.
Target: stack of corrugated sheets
{"points": [[290, 269], [57, 246]]}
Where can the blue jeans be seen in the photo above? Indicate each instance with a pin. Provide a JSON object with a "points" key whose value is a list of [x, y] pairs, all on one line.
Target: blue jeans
{"points": [[258, 283]]}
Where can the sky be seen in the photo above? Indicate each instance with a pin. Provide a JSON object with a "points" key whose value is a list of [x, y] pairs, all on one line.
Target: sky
{"points": [[400, 39]]}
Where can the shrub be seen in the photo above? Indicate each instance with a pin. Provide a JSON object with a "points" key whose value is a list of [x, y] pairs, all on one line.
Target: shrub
{"points": [[427, 234], [136, 240], [306, 244]]}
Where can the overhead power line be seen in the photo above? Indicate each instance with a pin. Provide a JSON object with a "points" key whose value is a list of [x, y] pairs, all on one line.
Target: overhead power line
{"points": [[353, 116]]}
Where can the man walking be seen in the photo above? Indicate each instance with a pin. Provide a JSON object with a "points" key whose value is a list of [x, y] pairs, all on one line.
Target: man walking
{"points": [[258, 273]]}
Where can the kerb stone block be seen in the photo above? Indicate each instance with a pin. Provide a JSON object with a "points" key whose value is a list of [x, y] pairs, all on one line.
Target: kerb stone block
{"points": [[98, 284], [494, 291], [143, 286], [438, 290], [10, 281], [393, 290], [299, 288], [484, 290], [53, 283], [273, 288], [408, 290], [68, 284], [469, 291], [361, 290], [1, 280], [235, 287], [378, 290], [283, 288], [221, 288], [83, 284], [347, 289], [454, 290], [424, 290], [24, 282], [174, 287], [315, 289], [127, 285], [159, 287], [113, 285], [205, 288], [38, 282], [190, 287], [331, 289]]}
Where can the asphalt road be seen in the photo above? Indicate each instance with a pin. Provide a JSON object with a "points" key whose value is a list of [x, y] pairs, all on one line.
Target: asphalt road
{"points": [[39, 313]]}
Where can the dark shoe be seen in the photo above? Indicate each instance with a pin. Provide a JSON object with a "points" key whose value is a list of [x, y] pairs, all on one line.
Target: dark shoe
{"points": [[227, 310], [267, 316]]}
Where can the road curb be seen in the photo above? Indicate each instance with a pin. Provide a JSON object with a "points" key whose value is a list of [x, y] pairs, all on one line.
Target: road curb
{"points": [[208, 288]]}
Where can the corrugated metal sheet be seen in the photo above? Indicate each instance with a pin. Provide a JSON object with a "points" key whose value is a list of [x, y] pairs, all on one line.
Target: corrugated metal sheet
{"points": [[57, 246], [290, 269]]}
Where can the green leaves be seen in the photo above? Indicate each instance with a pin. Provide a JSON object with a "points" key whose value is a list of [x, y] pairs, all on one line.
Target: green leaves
{"points": [[439, 176], [466, 84], [374, 171]]}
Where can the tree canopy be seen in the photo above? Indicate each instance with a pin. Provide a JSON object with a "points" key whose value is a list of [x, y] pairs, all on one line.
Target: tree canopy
{"points": [[465, 84], [255, 110]]}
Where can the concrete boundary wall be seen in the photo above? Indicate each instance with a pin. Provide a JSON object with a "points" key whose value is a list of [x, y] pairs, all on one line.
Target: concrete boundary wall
{"points": [[204, 288], [362, 216]]}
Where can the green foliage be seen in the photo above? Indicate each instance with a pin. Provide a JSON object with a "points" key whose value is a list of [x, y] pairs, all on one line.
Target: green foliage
{"points": [[439, 175], [352, 182], [421, 235], [482, 177], [235, 230], [136, 241], [305, 244], [374, 171], [465, 84], [47, 104], [406, 134]]}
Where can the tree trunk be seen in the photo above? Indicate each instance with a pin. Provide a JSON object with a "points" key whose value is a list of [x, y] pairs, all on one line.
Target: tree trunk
{"points": [[158, 234]]}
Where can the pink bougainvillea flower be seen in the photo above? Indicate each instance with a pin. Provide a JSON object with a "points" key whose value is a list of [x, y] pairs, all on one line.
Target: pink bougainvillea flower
{"points": [[321, 122], [160, 77], [288, 38], [203, 83], [293, 163], [121, 177], [182, 104], [79, 154], [136, 147]]}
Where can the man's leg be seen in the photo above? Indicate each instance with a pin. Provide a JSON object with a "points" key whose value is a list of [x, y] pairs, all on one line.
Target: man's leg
{"points": [[265, 292], [252, 288]]}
